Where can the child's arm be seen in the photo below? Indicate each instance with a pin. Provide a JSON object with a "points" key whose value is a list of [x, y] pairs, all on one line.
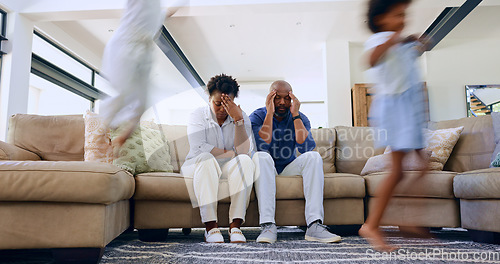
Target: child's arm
{"points": [[422, 43], [379, 51]]}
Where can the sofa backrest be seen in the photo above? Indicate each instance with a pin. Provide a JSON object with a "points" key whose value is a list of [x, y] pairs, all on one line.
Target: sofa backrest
{"points": [[354, 146], [53, 138], [178, 144], [325, 144], [474, 147], [343, 149]]}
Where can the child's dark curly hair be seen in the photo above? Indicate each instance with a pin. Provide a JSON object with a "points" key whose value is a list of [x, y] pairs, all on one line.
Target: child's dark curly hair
{"points": [[380, 7], [223, 83]]}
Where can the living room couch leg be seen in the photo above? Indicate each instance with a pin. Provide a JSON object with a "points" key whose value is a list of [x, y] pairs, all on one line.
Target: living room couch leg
{"points": [[153, 235], [186, 231], [345, 230], [77, 255], [484, 236]]}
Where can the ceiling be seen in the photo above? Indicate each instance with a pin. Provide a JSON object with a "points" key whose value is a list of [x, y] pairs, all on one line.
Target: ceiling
{"points": [[482, 22], [270, 40], [256, 41]]}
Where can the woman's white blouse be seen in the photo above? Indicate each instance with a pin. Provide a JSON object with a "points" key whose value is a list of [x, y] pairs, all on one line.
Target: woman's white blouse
{"points": [[204, 133]]}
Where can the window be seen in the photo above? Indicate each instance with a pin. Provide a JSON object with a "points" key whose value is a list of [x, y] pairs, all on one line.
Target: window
{"points": [[3, 22], [60, 83], [103, 85], [50, 52], [47, 98], [3, 29]]}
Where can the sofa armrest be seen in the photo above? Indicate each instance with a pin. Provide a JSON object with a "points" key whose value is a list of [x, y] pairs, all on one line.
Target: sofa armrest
{"points": [[11, 152]]}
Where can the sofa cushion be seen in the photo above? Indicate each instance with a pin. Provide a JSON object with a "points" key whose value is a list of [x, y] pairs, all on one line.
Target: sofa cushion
{"points": [[56, 138], [162, 186], [146, 150], [478, 184], [68, 181], [337, 185], [355, 145], [475, 146], [435, 184], [11, 152], [325, 146], [381, 163], [441, 143], [97, 140], [496, 161], [495, 119]]}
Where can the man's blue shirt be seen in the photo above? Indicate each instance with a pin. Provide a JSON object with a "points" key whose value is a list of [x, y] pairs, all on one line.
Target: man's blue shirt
{"points": [[283, 143]]}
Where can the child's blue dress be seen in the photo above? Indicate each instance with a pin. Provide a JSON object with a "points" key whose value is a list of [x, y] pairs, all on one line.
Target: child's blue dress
{"points": [[398, 107]]}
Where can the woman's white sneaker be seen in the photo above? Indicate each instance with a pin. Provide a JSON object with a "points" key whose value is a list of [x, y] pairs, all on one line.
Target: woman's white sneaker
{"points": [[214, 236], [236, 236]]}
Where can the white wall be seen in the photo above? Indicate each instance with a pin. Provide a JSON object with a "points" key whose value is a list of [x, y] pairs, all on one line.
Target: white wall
{"points": [[450, 66], [62, 38], [338, 82], [357, 63], [344, 68], [455, 63], [46, 98]]}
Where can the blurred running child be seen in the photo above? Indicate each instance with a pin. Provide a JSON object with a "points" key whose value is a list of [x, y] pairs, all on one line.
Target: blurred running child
{"points": [[398, 107]]}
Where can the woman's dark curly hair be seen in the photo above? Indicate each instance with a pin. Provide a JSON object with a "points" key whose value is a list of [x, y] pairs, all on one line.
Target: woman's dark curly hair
{"points": [[380, 7], [223, 83]]}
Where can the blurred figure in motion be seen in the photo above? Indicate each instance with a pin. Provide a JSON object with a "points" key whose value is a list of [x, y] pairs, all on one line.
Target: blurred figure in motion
{"points": [[398, 107], [127, 64]]}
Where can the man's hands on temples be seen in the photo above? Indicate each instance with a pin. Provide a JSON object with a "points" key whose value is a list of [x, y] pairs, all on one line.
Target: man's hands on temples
{"points": [[270, 102], [294, 109]]}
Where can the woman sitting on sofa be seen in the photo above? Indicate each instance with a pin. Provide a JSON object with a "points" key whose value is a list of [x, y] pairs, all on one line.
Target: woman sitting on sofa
{"points": [[220, 139]]}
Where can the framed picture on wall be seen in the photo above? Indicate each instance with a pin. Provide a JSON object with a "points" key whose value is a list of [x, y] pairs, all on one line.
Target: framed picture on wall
{"points": [[482, 99]]}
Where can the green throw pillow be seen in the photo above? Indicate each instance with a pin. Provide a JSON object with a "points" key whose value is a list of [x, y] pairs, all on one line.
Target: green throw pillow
{"points": [[145, 151], [496, 162]]}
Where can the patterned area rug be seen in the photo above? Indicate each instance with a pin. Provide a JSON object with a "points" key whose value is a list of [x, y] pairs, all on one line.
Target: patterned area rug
{"points": [[448, 246]]}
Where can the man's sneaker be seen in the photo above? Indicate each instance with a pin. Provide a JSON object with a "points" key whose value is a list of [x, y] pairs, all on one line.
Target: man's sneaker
{"points": [[236, 236], [214, 236], [319, 233], [268, 234]]}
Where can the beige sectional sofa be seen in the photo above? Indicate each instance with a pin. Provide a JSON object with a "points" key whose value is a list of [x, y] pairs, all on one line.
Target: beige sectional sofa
{"points": [[50, 198], [162, 200], [440, 198], [476, 185]]}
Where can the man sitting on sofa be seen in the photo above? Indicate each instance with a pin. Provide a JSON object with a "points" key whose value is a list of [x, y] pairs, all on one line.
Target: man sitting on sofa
{"points": [[279, 129]]}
